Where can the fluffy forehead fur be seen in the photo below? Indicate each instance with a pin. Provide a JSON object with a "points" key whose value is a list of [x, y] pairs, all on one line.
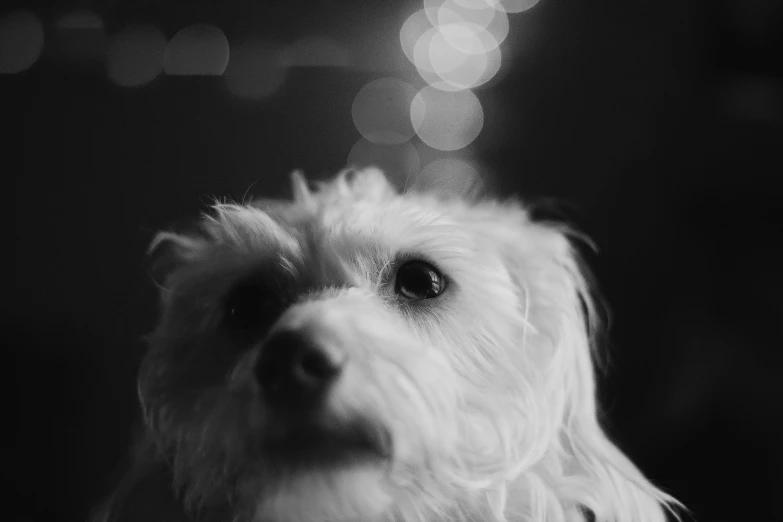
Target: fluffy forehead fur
{"points": [[486, 394]]}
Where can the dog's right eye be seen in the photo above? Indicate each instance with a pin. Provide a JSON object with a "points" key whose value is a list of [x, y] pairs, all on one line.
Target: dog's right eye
{"points": [[417, 280], [248, 306]]}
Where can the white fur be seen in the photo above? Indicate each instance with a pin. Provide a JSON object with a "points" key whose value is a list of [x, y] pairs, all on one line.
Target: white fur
{"points": [[487, 396]]}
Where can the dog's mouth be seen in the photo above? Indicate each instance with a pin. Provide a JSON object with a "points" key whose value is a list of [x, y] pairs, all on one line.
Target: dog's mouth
{"points": [[310, 444]]}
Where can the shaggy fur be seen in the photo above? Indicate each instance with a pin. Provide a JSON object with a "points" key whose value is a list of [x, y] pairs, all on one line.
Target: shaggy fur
{"points": [[475, 405]]}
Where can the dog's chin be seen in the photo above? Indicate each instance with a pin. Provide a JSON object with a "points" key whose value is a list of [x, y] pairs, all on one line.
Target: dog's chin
{"points": [[334, 481], [354, 492], [316, 474]]}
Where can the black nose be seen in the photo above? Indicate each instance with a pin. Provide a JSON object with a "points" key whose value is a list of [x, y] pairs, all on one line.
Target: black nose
{"points": [[294, 370]]}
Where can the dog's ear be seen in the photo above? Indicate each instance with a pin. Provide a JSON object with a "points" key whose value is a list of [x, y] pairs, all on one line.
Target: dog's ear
{"points": [[603, 479], [170, 251], [580, 465]]}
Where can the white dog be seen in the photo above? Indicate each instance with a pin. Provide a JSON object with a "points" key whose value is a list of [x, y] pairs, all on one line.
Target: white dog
{"points": [[360, 355]]}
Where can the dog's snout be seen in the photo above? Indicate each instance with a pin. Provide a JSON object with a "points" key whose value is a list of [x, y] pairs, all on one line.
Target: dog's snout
{"points": [[295, 370]]}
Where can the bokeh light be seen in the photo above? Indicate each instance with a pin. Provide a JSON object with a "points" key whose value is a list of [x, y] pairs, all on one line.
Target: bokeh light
{"points": [[197, 50], [491, 34], [254, 71], [450, 52], [458, 177], [21, 41], [316, 51], [135, 56], [492, 68], [478, 4], [399, 161], [381, 111], [80, 38], [446, 120], [80, 19], [516, 6], [455, 47], [460, 66], [414, 26], [450, 11]]}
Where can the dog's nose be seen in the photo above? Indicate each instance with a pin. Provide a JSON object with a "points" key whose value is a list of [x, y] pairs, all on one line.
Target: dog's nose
{"points": [[294, 370]]}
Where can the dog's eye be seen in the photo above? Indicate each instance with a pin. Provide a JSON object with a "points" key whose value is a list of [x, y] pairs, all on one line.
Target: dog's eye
{"points": [[248, 306], [418, 280]]}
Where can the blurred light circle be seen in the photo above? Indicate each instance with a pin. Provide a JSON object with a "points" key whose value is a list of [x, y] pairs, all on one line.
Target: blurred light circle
{"points": [[492, 31], [454, 68], [494, 61], [469, 38], [446, 120], [381, 111], [421, 51], [451, 12], [80, 38], [477, 4], [399, 161], [412, 29], [498, 26], [456, 56], [254, 70], [516, 6], [450, 176], [81, 19], [135, 55], [490, 60], [197, 50], [440, 64], [21, 41], [316, 51], [431, 10]]}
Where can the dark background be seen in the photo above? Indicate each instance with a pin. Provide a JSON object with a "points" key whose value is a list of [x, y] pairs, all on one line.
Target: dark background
{"points": [[658, 123]]}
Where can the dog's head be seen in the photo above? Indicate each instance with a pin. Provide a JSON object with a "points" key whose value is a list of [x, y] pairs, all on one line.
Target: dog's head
{"points": [[360, 354]]}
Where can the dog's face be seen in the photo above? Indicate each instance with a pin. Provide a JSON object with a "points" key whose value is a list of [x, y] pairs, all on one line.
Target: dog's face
{"points": [[355, 354]]}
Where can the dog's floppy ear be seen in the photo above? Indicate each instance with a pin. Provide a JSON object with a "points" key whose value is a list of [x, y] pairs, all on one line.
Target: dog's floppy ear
{"points": [[169, 251], [601, 478], [581, 467]]}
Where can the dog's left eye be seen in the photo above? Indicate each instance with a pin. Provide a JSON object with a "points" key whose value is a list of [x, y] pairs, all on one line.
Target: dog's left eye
{"points": [[418, 280], [248, 306]]}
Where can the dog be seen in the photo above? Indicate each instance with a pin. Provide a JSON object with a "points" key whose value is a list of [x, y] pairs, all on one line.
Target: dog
{"points": [[358, 354]]}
